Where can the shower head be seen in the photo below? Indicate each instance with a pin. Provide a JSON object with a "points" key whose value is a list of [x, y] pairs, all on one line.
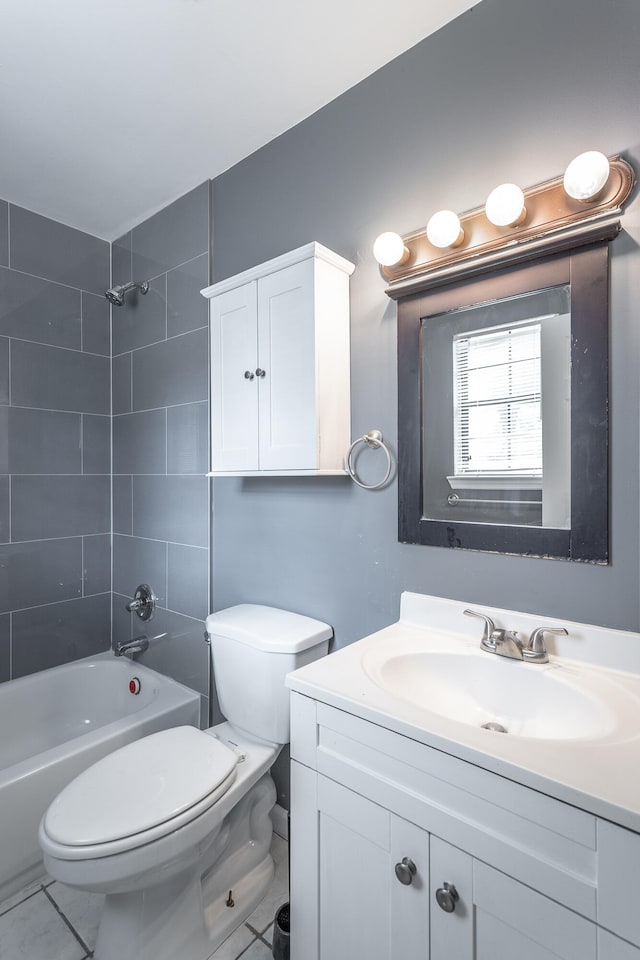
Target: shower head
{"points": [[116, 295]]}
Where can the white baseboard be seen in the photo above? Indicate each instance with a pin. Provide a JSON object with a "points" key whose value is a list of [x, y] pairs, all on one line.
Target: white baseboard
{"points": [[280, 821]]}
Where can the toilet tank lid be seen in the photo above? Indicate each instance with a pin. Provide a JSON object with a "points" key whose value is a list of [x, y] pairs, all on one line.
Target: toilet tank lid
{"points": [[268, 628]]}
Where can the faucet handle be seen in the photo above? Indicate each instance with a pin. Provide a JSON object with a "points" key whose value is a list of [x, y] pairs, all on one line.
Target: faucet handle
{"points": [[489, 625], [535, 649], [143, 602]]}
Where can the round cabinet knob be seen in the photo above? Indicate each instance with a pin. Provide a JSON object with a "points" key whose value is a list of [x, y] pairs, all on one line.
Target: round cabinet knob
{"points": [[406, 871], [260, 372], [447, 897], [248, 375]]}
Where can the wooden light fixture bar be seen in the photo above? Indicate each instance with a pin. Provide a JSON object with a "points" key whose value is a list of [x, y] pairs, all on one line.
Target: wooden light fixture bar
{"points": [[554, 221]]}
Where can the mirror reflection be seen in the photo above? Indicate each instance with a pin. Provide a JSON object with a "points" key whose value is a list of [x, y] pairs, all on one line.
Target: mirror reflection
{"points": [[496, 411]]}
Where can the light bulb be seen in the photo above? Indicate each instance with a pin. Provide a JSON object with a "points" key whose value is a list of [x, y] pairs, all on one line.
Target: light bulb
{"points": [[505, 205], [586, 175], [389, 249], [444, 230]]}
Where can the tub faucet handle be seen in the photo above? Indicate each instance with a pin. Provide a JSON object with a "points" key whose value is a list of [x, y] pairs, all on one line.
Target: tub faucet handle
{"points": [[143, 602]]}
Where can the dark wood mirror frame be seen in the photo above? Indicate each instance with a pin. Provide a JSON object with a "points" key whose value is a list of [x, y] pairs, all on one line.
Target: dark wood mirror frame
{"points": [[586, 269]]}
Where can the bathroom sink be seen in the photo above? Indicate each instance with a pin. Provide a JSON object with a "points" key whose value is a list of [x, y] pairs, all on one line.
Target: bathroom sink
{"points": [[550, 702]]}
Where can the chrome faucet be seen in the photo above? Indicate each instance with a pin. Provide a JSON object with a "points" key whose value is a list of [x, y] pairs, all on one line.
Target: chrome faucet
{"points": [[130, 648], [507, 643]]}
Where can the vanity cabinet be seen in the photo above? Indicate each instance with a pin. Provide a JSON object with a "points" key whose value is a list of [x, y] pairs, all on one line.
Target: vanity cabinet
{"points": [[366, 911], [492, 869], [280, 366]]}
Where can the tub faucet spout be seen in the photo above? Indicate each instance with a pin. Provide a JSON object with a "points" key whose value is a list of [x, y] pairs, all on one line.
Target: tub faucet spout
{"points": [[130, 648]]}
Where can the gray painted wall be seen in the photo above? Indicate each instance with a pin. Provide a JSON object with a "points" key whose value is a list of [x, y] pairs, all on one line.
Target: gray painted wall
{"points": [[510, 90], [55, 444], [160, 436]]}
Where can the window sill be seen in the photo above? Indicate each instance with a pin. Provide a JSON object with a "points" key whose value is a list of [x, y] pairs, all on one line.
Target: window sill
{"points": [[498, 481]]}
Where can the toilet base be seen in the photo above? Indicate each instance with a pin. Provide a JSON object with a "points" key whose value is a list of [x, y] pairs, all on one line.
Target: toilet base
{"points": [[186, 916]]}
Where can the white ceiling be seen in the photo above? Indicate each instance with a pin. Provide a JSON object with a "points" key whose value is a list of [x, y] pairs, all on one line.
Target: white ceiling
{"points": [[109, 109]]}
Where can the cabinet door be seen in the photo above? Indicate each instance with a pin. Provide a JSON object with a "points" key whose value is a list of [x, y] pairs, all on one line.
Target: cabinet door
{"points": [[497, 918], [346, 900], [234, 396], [286, 354]]}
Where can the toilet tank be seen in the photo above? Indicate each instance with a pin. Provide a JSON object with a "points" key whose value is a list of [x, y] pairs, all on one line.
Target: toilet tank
{"points": [[253, 647]]}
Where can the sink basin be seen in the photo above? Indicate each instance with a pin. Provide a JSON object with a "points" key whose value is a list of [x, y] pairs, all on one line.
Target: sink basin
{"points": [[552, 702]]}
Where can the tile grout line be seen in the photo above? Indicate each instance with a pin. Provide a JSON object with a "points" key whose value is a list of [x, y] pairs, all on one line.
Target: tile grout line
{"points": [[58, 346], [167, 270], [53, 603], [166, 306], [129, 413], [105, 533], [63, 917], [75, 413], [258, 935], [29, 896], [155, 343], [133, 536]]}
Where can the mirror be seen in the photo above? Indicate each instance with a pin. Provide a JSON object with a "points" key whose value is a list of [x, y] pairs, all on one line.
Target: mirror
{"points": [[502, 415]]}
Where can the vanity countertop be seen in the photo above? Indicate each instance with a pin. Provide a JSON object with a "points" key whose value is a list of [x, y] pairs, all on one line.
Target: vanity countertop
{"points": [[598, 772]]}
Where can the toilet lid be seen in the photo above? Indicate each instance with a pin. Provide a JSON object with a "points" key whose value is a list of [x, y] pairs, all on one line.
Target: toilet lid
{"points": [[139, 786]]}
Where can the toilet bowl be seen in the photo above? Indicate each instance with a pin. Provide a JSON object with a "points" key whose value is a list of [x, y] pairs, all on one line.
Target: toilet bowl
{"points": [[174, 828]]}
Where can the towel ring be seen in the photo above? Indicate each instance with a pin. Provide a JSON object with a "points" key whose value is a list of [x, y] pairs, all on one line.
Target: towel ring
{"points": [[372, 439]]}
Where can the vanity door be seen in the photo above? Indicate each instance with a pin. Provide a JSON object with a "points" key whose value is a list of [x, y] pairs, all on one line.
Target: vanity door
{"points": [[490, 916], [347, 901]]}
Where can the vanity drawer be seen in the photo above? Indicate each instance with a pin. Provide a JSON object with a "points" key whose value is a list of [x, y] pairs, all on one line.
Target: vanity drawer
{"points": [[619, 882], [544, 843]]}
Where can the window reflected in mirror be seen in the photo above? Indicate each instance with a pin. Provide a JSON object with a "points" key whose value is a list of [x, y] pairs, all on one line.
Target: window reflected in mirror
{"points": [[497, 411]]}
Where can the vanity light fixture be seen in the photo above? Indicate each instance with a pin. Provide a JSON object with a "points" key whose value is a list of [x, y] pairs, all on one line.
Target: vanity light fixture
{"points": [[444, 230], [505, 206], [513, 226], [586, 176], [389, 249]]}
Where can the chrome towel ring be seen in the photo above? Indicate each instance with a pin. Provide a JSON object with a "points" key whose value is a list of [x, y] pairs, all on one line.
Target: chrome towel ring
{"points": [[372, 439]]}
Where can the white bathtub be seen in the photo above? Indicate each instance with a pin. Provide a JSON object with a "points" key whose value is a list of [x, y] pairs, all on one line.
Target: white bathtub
{"points": [[56, 723]]}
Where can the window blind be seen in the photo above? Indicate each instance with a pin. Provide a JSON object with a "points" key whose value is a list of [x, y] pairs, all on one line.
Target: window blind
{"points": [[497, 419]]}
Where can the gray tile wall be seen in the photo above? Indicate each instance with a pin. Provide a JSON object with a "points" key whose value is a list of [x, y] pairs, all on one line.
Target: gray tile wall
{"points": [[160, 436], [55, 445]]}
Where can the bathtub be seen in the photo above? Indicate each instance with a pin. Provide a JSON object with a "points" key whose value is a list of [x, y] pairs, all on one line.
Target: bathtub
{"points": [[56, 723]]}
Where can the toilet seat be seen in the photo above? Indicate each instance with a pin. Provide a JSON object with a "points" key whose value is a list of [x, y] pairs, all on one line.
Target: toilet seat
{"points": [[139, 793]]}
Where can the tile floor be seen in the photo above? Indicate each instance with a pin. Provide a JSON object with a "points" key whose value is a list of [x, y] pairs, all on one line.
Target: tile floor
{"points": [[49, 921]]}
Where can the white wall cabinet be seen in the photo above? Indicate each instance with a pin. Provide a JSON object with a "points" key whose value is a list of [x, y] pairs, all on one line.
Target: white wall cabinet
{"points": [[280, 366], [528, 876]]}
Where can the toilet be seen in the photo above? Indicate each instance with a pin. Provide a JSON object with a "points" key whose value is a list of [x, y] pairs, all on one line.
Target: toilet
{"points": [[175, 828]]}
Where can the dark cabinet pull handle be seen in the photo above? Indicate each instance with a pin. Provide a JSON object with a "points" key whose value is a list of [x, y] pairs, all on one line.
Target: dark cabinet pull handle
{"points": [[406, 871], [447, 896]]}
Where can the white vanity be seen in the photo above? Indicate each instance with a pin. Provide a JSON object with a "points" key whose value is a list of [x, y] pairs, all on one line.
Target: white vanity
{"points": [[416, 833]]}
